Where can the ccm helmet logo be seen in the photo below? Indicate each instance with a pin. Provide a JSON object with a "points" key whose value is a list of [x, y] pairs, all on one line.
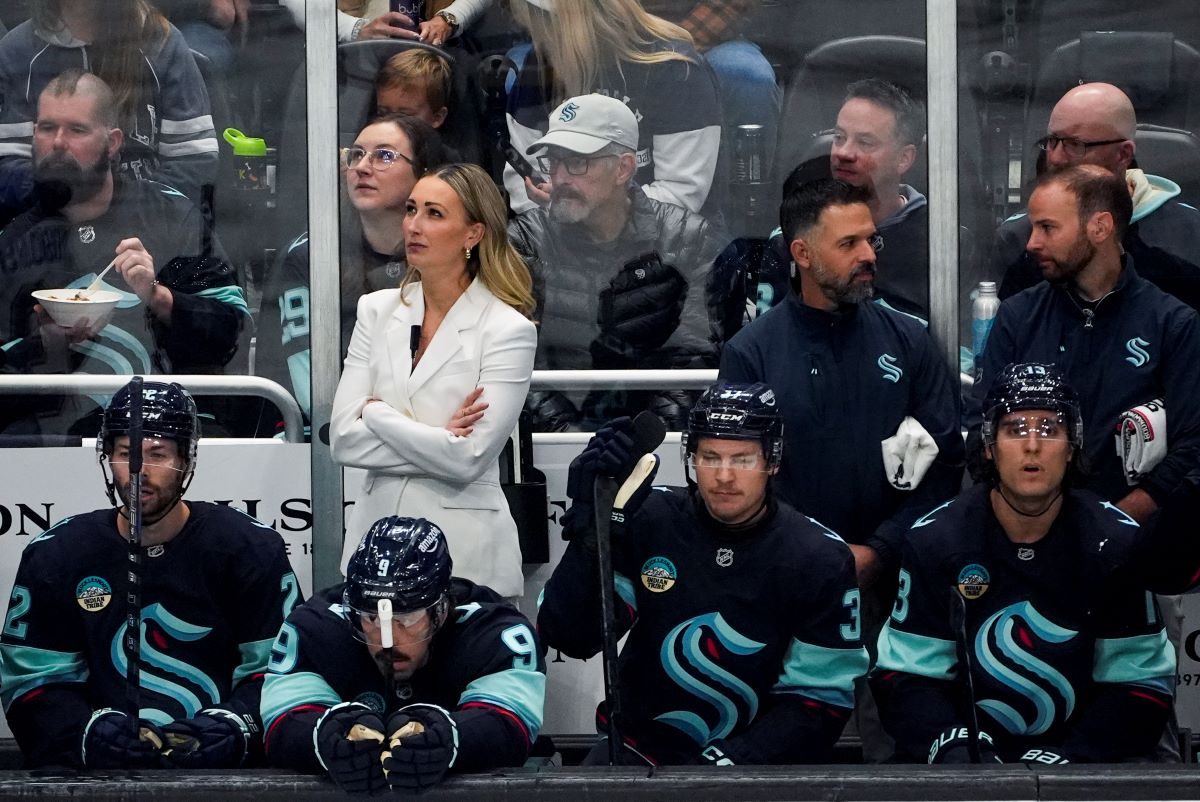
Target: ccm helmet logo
{"points": [[726, 416]]}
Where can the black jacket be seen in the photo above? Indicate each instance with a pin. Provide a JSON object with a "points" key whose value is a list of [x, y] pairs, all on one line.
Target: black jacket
{"points": [[845, 381], [1141, 344]]}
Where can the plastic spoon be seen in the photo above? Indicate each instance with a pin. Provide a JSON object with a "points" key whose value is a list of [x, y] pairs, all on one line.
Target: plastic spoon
{"points": [[95, 285]]}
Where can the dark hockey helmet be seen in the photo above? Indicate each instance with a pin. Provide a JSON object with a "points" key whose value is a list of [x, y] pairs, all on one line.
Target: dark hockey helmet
{"points": [[403, 560], [737, 412], [1029, 385], [168, 412]]}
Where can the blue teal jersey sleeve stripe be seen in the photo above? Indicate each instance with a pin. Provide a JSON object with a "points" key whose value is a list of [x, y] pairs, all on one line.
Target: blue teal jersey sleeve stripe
{"points": [[520, 691], [230, 294], [23, 668], [822, 673], [916, 654], [255, 656], [1142, 659], [282, 692]]}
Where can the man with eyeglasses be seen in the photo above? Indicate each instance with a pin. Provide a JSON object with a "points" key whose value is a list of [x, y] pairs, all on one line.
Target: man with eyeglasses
{"points": [[1019, 632], [743, 615], [1095, 124], [215, 586], [621, 279], [402, 674]]}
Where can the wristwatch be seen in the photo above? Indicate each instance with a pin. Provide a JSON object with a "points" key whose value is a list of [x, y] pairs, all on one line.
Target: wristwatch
{"points": [[450, 18]]}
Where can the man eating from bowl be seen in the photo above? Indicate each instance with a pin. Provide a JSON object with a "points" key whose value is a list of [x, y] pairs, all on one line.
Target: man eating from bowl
{"points": [[179, 309]]}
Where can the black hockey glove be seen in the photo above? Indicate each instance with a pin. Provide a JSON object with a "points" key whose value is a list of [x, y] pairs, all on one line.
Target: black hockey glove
{"points": [[952, 747], [1044, 757], [212, 739], [608, 453], [423, 744], [349, 742], [109, 743]]}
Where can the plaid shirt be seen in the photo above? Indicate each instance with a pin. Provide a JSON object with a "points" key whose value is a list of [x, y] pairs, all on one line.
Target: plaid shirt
{"points": [[710, 22]]}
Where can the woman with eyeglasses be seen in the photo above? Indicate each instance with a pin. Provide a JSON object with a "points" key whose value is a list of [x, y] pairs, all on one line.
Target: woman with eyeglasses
{"points": [[616, 48], [436, 375], [379, 170]]}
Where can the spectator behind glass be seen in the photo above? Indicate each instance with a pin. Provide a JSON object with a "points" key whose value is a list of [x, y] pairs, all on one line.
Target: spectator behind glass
{"points": [[389, 24], [620, 277], [617, 49], [180, 308], [436, 375], [207, 25], [380, 170], [161, 102], [415, 82]]}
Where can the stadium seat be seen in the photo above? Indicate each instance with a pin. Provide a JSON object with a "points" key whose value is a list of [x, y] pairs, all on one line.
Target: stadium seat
{"points": [[1160, 73], [1171, 153]]}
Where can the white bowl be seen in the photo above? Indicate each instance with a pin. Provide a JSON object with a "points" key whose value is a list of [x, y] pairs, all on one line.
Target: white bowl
{"points": [[63, 308]]}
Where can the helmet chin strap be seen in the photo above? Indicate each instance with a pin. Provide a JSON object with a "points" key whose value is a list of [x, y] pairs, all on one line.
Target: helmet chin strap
{"points": [[1018, 511]]}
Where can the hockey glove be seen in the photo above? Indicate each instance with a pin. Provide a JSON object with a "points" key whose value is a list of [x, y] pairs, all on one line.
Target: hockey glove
{"points": [[421, 748], [348, 740], [109, 743], [212, 739], [952, 747], [608, 453], [1043, 757]]}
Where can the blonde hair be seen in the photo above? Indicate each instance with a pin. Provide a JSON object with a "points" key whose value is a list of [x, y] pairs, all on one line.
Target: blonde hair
{"points": [[494, 260], [581, 37], [418, 70]]}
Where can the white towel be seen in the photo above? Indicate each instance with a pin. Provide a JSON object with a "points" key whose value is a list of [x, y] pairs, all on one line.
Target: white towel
{"points": [[908, 454], [1142, 439]]}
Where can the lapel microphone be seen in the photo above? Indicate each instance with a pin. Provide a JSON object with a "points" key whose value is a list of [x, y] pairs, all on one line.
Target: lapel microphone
{"points": [[414, 340]]}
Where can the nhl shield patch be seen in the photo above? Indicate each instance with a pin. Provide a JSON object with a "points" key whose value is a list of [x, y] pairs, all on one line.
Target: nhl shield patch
{"points": [[658, 574], [724, 557]]}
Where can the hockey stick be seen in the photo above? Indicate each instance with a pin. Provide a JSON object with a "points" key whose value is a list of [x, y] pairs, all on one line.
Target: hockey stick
{"points": [[958, 622], [133, 590], [649, 432]]}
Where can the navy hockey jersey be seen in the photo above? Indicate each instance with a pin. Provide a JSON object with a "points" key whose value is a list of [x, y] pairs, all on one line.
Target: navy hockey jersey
{"points": [[213, 599], [752, 640], [1066, 652], [485, 665]]}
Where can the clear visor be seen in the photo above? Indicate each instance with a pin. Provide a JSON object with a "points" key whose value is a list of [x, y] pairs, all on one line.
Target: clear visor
{"points": [[739, 462], [405, 628], [156, 453], [1017, 426]]}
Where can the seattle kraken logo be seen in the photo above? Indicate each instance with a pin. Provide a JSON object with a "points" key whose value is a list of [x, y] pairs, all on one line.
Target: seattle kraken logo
{"points": [[887, 363], [696, 642], [1002, 645], [1137, 349], [568, 113], [166, 675]]}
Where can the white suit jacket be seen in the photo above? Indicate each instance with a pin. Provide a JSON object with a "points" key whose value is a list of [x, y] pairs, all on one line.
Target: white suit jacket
{"points": [[415, 467]]}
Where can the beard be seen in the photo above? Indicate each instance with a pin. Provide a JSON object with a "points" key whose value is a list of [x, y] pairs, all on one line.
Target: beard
{"points": [[59, 179], [1063, 271], [848, 290], [160, 502], [568, 206]]}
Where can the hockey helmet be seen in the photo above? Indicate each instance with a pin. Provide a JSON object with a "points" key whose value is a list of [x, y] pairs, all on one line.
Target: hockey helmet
{"points": [[1030, 385], [168, 412], [737, 412], [403, 560]]}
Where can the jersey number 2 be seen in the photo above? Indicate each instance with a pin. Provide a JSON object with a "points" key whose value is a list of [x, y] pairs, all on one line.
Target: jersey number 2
{"points": [[13, 625]]}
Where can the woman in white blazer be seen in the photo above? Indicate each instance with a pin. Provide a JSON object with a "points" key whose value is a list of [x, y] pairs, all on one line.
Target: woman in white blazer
{"points": [[425, 362]]}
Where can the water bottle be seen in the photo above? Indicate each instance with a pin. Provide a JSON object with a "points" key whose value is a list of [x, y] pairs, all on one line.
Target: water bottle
{"points": [[983, 314], [251, 173]]}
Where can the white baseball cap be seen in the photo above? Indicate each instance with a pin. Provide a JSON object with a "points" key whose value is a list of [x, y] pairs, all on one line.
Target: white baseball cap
{"points": [[587, 123]]}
